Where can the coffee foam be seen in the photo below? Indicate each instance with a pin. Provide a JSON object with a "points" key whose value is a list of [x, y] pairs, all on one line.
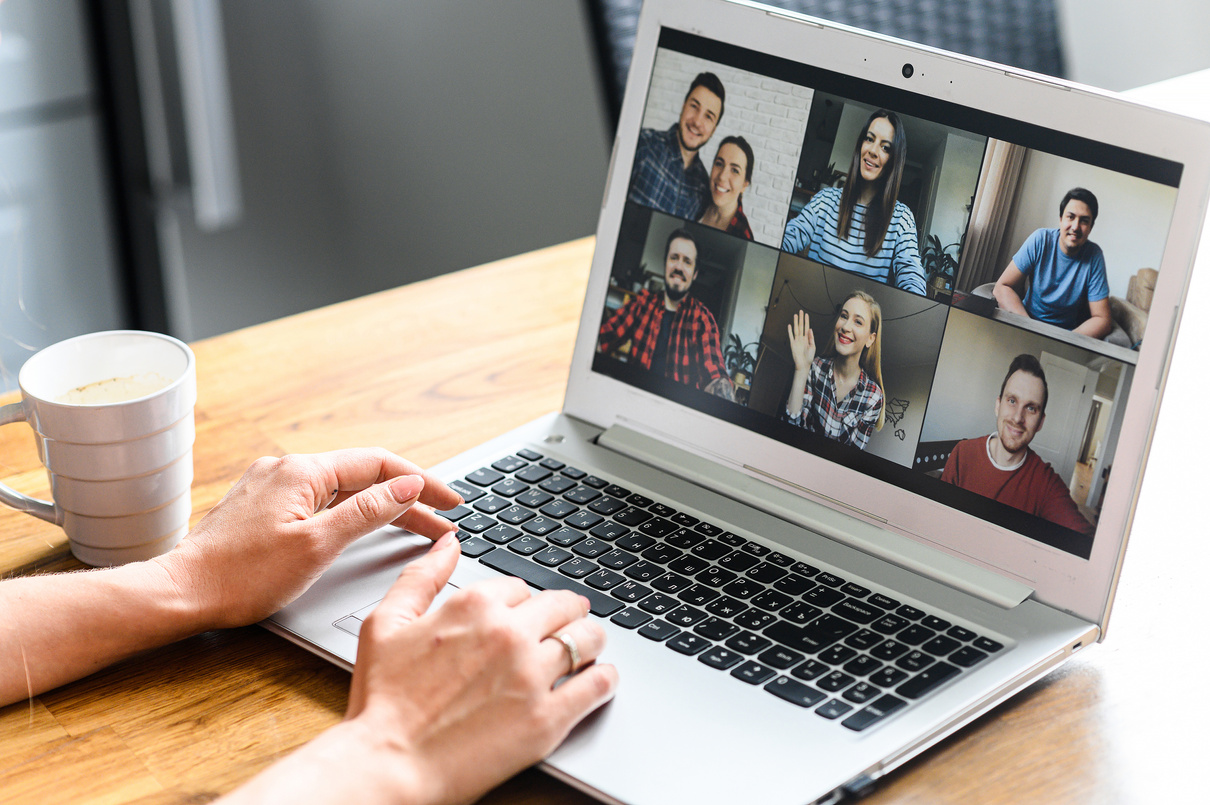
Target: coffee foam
{"points": [[116, 389]]}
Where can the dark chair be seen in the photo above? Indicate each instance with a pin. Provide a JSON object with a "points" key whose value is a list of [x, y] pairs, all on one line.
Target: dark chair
{"points": [[1022, 33]]}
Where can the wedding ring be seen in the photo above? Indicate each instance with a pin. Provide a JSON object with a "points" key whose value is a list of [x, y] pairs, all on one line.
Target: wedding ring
{"points": [[573, 651]]}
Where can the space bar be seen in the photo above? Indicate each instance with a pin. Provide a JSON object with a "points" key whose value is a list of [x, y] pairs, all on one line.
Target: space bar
{"points": [[545, 579]]}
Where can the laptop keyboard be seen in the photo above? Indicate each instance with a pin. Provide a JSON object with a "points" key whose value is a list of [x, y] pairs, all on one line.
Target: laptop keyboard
{"points": [[806, 635]]}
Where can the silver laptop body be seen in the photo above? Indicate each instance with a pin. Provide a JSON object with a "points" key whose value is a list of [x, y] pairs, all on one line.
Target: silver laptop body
{"points": [[997, 149]]}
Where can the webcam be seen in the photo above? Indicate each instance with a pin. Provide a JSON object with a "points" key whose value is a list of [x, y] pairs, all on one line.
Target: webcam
{"points": [[908, 69]]}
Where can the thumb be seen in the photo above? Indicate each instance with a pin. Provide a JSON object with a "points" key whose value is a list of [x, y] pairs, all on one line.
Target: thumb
{"points": [[368, 510]]}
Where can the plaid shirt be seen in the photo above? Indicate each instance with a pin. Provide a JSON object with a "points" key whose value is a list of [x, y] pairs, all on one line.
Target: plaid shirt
{"points": [[694, 356], [739, 224], [851, 420], [661, 180]]}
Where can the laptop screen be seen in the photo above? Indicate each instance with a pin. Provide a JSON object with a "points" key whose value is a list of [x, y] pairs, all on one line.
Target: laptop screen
{"points": [[943, 299]]}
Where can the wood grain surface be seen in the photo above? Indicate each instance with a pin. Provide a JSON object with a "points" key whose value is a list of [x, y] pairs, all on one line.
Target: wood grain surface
{"points": [[428, 370]]}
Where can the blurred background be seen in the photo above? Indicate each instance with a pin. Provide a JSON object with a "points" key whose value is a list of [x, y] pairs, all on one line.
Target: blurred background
{"points": [[197, 166]]}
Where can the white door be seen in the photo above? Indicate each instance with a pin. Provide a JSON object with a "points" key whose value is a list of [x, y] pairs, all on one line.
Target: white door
{"points": [[1070, 388]]}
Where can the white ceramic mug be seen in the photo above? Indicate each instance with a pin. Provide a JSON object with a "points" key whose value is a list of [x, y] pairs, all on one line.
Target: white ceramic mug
{"points": [[112, 415]]}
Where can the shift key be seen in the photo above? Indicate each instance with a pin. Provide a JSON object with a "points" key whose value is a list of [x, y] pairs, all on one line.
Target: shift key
{"points": [[545, 579]]}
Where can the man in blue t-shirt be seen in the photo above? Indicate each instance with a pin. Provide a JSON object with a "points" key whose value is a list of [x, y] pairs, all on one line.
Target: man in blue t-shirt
{"points": [[1065, 272]]}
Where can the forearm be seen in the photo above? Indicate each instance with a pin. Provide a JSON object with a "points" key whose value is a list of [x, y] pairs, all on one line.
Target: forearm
{"points": [[58, 628], [1096, 327], [349, 762], [1008, 299], [798, 387]]}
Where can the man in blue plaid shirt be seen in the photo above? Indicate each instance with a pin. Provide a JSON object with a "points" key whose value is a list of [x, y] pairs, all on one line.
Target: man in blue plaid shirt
{"points": [[668, 173]]}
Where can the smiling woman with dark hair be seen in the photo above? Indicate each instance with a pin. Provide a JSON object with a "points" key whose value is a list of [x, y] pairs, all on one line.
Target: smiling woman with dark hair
{"points": [[863, 227], [730, 176]]}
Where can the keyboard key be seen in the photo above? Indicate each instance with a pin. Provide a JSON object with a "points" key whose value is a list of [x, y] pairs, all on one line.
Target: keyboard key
{"points": [[915, 634], [556, 485], [671, 583], [927, 680], [509, 464], [810, 670], [684, 539], [476, 523], [657, 527], [607, 530], [564, 536], [658, 630], [606, 505], [861, 693], [617, 491], [887, 677], [835, 681], [533, 498], [631, 618], [914, 661], [552, 556], [617, 559], [661, 553], [863, 639], [822, 596], [888, 650], [743, 587], [755, 619], [476, 547], [591, 548], [834, 709], [880, 600], [710, 551], [958, 633], [890, 624], [795, 692], [767, 573], [574, 473], [688, 565], [484, 477], [604, 579], [800, 613], [528, 455], [468, 492], [595, 482], [515, 515], [491, 504], [725, 607], [873, 713], [720, 658], [793, 584], [861, 665], [698, 595], [815, 636], [738, 561], [935, 623], [644, 571], [684, 520], [855, 590], [836, 654], [685, 616], [582, 495], [830, 579], [734, 540], [578, 568], [639, 500], [686, 643], [553, 464], [630, 592], [501, 534], [756, 549], [455, 514], [534, 474], [909, 612], [558, 509], [780, 658], [771, 600], [754, 673], [940, 645], [526, 545], [746, 642], [635, 542], [632, 516], [780, 559], [541, 526], [967, 656], [709, 529], [510, 487], [981, 643], [547, 579], [658, 603], [661, 510], [715, 576], [715, 629], [856, 610], [803, 569]]}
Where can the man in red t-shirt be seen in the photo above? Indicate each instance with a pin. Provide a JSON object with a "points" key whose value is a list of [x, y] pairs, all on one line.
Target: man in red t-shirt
{"points": [[1002, 467]]}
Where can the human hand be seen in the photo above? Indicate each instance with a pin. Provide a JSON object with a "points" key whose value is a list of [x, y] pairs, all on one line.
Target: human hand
{"points": [[287, 519], [466, 694], [721, 387], [802, 342]]}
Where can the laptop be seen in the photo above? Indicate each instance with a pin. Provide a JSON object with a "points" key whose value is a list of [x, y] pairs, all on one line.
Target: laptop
{"points": [[832, 490]]}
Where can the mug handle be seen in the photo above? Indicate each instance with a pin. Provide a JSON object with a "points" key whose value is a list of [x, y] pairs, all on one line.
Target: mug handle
{"points": [[42, 509]]}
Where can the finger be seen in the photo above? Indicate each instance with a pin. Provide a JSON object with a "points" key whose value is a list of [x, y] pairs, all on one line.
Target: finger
{"points": [[355, 469], [584, 692], [551, 610], [413, 592], [368, 510], [588, 638], [421, 519]]}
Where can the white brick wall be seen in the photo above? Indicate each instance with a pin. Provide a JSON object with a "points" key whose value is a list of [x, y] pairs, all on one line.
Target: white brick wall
{"points": [[770, 114]]}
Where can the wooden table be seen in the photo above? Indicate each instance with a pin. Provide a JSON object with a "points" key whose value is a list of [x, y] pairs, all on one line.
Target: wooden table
{"points": [[430, 369]]}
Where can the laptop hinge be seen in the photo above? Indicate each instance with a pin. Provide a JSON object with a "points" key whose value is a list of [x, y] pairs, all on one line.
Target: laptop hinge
{"points": [[786, 500]]}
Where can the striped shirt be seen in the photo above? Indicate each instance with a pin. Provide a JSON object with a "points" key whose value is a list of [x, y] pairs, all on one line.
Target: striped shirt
{"points": [[850, 421], [693, 355], [813, 235], [661, 180]]}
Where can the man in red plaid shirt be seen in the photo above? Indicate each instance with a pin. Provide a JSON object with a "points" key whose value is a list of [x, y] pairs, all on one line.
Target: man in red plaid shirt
{"points": [[670, 332]]}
